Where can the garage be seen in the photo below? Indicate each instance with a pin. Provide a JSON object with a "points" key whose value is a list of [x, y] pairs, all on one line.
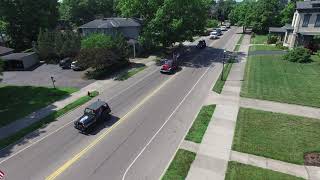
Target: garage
{"points": [[20, 61]]}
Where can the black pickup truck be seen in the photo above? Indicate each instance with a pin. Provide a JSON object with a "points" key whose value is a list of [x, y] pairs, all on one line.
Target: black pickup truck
{"points": [[97, 111]]}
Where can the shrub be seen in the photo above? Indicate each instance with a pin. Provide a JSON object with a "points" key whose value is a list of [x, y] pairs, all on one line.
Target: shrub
{"points": [[97, 41], [103, 54], [272, 39], [212, 23], [299, 54]]}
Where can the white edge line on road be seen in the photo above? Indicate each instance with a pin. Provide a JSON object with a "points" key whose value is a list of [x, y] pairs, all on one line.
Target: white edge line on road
{"points": [[57, 130], [174, 111]]}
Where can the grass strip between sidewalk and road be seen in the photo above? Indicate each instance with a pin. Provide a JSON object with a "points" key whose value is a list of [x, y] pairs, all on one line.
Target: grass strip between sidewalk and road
{"points": [[179, 167], [127, 74], [46, 120], [236, 49], [220, 83], [238, 171], [277, 136], [200, 125]]}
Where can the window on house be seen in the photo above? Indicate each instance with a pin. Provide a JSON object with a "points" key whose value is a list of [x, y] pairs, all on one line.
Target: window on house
{"points": [[317, 23], [306, 20]]}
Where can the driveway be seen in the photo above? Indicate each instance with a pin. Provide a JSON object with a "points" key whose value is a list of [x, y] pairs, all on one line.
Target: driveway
{"points": [[41, 77]]}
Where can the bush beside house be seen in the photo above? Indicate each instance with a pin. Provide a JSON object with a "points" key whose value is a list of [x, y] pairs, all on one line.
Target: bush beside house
{"points": [[299, 54], [272, 39]]}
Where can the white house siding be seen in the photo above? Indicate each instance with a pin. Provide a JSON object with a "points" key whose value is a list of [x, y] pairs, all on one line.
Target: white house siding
{"points": [[311, 24]]}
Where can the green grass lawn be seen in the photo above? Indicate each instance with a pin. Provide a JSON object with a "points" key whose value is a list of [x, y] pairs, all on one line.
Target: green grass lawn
{"points": [[46, 120], [20, 101], [179, 167], [220, 83], [259, 39], [277, 136], [238, 171], [127, 74], [264, 48], [200, 125], [271, 78]]}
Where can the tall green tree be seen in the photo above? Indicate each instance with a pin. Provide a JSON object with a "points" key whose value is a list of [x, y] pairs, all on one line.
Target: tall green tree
{"points": [[287, 13], [266, 14], [26, 17], [145, 9], [79, 12], [243, 14], [179, 20], [224, 8], [167, 21]]}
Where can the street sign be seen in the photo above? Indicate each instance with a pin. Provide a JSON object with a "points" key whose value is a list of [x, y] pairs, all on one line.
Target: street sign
{"points": [[1, 174]]}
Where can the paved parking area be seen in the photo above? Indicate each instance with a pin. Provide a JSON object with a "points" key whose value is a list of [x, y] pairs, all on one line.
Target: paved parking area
{"points": [[41, 77]]}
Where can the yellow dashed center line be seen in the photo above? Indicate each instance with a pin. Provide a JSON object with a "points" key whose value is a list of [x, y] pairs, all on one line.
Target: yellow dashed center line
{"points": [[75, 158]]}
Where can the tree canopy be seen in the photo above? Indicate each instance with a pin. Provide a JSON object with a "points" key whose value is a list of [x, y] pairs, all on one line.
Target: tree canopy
{"points": [[223, 8], [26, 17], [79, 12], [260, 14], [168, 21]]}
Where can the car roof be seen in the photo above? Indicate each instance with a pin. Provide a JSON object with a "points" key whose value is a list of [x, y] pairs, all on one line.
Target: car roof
{"points": [[96, 105]]}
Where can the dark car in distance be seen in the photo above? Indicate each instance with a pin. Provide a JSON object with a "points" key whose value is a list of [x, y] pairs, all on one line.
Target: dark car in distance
{"points": [[65, 63], [201, 44], [94, 113]]}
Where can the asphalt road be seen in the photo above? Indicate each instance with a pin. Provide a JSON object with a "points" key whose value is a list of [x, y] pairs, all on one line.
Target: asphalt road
{"points": [[151, 113]]}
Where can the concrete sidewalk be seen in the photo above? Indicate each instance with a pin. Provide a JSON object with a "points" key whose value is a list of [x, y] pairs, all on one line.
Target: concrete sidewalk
{"points": [[306, 172], [214, 152], [281, 107]]}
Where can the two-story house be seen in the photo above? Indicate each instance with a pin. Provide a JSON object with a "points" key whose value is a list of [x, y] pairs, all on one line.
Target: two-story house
{"points": [[305, 25], [128, 27]]}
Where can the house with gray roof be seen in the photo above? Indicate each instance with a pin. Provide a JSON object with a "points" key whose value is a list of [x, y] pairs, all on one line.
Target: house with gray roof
{"points": [[304, 27], [5, 51], [128, 27], [20, 61]]}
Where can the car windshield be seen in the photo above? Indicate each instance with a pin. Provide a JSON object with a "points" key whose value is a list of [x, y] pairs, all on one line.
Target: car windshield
{"points": [[168, 62], [88, 111]]}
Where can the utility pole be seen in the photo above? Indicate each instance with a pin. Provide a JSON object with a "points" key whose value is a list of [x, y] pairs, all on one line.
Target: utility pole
{"points": [[53, 81], [224, 55]]}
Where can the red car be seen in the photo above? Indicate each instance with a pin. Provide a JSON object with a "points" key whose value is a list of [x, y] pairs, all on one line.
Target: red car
{"points": [[169, 66]]}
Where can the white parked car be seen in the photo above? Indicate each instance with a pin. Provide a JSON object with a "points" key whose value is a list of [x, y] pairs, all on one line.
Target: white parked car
{"points": [[223, 28], [214, 35]]}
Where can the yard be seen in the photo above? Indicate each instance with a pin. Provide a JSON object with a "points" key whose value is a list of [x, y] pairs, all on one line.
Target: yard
{"points": [[259, 39], [268, 77], [265, 48], [237, 171], [19, 101], [277, 136]]}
